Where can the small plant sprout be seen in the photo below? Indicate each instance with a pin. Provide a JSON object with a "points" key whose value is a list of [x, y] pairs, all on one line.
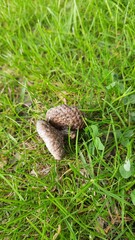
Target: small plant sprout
{"points": [[127, 165], [126, 169]]}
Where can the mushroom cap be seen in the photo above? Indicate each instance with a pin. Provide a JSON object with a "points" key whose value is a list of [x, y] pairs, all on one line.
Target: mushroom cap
{"points": [[52, 137], [64, 117]]}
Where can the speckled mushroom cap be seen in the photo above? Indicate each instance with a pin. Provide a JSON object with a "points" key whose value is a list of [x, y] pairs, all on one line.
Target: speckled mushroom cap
{"points": [[63, 116], [52, 137]]}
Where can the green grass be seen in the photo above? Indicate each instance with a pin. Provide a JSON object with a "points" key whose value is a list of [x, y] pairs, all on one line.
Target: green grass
{"points": [[83, 54]]}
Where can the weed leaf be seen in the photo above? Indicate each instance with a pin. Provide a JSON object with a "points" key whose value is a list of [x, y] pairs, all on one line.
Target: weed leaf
{"points": [[133, 196]]}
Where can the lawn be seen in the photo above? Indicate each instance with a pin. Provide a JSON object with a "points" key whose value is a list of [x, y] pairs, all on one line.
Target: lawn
{"points": [[80, 54]]}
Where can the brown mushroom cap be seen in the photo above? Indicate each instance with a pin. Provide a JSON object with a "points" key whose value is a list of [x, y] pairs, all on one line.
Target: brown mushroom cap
{"points": [[63, 116], [52, 137]]}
